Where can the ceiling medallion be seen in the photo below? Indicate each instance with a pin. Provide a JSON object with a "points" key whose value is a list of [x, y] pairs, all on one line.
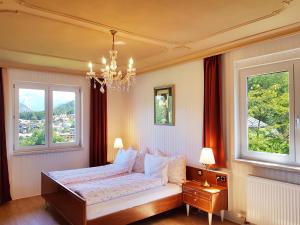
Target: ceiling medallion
{"points": [[111, 77]]}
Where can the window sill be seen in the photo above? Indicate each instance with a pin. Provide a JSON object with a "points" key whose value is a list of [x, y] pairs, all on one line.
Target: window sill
{"points": [[277, 166], [47, 150]]}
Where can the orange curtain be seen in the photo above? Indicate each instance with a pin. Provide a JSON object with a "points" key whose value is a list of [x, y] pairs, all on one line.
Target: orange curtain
{"points": [[98, 126], [212, 124], [4, 180]]}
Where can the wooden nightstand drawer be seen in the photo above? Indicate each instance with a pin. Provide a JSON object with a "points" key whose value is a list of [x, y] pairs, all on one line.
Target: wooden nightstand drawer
{"points": [[197, 193], [197, 202]]}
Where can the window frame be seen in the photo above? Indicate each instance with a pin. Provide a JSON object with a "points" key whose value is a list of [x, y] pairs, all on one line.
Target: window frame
{"points": [[49, 146], [243, 112]]}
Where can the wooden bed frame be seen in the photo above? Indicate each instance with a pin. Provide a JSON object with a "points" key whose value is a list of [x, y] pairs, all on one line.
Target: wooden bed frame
{"points": [[73, 207]]}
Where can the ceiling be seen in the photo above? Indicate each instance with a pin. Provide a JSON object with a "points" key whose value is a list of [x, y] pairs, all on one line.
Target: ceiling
{"points": [[67, 34]]}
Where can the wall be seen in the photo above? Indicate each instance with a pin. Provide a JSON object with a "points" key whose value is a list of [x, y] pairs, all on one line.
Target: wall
{"points": [[25, 170], [240, 171], [186, 136], [117, 111]]}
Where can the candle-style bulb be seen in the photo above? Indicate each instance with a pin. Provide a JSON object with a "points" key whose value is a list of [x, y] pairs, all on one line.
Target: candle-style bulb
{"points": [[90, 66], [103, 60], [131, 61]]}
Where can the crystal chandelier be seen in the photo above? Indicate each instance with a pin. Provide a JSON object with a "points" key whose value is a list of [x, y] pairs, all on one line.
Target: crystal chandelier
{"points": [[111, 77]]}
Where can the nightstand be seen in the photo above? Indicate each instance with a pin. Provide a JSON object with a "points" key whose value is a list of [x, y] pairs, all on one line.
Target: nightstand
{"points": [[209, 199]]}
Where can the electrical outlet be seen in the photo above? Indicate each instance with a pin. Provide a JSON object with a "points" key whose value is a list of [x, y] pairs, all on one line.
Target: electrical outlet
{"points": [[221, 178], [200, 172]]}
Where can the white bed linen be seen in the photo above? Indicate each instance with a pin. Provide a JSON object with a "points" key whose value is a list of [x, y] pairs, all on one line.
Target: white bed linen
{"points": [[130, 201], [96, 191], [86, 174]]}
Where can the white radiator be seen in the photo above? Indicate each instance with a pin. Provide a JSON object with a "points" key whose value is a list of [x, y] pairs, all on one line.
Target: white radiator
{"points": [[271, 202]]}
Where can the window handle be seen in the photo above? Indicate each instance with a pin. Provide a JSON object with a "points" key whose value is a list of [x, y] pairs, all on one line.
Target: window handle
{"points": [[298, 122]]}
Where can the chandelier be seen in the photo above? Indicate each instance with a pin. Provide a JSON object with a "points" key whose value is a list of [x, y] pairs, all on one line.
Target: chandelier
{"points": [[110, 76]]}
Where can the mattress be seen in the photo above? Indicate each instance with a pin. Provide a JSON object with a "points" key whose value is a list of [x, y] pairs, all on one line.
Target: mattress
{"points": [[130, 201]]}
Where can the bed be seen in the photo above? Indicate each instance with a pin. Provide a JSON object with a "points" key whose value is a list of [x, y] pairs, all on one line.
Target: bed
{"points": [[122, 210]]}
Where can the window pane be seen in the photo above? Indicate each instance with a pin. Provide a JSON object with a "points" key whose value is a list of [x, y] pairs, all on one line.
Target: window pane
{"points": [[31, 117], [268, 113], [64, 122]]}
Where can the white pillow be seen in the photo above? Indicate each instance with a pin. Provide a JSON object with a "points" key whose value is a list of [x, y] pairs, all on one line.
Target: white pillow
{"points": [[157, 166], [139, 165], [160, 153], [177, 169], [126, 159]]}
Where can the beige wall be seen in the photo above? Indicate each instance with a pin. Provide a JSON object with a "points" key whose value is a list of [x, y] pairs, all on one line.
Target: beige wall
{"points": [[117, 115], [25, 170], [240, 171], [186, 136], [130, 116]]}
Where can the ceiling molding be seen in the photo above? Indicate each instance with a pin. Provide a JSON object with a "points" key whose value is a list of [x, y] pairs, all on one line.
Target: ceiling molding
{"points": [[188, 51], [10, 64], [284, 5], [277, 33], [89, 24], [22, 6], [223, 48]]}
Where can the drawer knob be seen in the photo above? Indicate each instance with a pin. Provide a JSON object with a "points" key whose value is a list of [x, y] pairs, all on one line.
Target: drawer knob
{"points": [[195, 200], [195, 193]]}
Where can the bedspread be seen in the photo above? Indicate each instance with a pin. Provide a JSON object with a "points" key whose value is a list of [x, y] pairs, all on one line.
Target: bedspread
{"points": [[103, 190]]}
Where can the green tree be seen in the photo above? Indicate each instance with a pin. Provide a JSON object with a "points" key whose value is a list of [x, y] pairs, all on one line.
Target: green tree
{"points": [[37, 138], [268, 102], [57, 138]]}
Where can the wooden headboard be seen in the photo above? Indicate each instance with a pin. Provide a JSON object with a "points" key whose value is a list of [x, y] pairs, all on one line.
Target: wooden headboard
{"points": [[213, 177]]}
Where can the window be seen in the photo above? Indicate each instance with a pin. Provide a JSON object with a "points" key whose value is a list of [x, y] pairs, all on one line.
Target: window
{"points": [[46, 116], [267, 113]]}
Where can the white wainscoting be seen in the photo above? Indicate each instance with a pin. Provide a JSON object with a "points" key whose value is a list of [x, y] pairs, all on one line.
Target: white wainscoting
{"points": [[25, 170], [186, 136], [239, 171]]}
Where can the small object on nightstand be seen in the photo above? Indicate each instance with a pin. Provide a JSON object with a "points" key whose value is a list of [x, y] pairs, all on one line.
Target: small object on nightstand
{"points": [[210, 199], [207, 158]]}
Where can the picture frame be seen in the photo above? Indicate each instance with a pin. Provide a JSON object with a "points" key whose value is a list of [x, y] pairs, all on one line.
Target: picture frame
{"points": [[164, 105]]}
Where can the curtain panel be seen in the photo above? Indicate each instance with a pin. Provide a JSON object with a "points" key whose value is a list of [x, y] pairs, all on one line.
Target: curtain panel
{"points": [[212, 123], [4, 179], [98, 126]]}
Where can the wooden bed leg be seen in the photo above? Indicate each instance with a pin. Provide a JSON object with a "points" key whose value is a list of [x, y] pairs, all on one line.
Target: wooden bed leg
{"points": [[222, 216], [187, 209], [46, 205]]}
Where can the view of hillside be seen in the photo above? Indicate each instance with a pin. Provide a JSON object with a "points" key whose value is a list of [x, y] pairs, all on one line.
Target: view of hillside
{"points": [[32, 125], [28, 114]]}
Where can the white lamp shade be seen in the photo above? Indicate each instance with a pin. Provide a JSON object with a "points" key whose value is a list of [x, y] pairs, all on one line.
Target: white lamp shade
{"points": [[118, 143], [207, 156]]}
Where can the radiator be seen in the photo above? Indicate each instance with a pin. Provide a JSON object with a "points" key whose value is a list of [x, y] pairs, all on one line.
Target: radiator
{"points": [[271, 202]]}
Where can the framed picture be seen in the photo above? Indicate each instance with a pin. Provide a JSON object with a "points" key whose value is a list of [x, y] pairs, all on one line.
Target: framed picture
{"points": [[164, 105]]}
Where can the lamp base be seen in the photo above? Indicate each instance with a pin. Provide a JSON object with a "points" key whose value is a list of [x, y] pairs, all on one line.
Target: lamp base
{"points": [[206, 184]]}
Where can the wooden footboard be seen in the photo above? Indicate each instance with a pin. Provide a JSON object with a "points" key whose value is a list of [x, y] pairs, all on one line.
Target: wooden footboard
{"points": [[70, 205], [139, 212]]}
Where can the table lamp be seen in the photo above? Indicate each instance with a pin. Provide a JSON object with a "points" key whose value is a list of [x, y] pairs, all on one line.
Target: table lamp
{"points": [[207, 158], [118, 144]]}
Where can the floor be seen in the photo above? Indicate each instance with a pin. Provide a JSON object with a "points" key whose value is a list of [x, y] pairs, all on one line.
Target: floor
{"points": [[31, 211]]}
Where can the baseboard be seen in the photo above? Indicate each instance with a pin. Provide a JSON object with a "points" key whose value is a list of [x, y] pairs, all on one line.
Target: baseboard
{"points": [[233, 217]]}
